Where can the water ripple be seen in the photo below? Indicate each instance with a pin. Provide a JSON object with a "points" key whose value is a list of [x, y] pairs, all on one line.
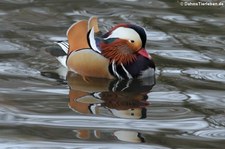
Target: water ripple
{"points": [[169, 112], [218, 134], [201, 40], [67, 121], [77, 13], [8, 47], [183, 55], [15, 144], [212, 21], [157, 36], [178, 19], [16, 68], [34, 90], [217, 120], [167, 71], [208, 99], [173, 96], [206, 74], [137, 3]]}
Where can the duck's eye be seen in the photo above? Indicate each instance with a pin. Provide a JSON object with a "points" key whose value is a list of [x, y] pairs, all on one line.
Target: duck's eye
{"points": [[132, 41]]}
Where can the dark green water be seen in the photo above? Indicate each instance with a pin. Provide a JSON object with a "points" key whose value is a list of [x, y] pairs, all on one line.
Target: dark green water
{"points": [[184, 109]]}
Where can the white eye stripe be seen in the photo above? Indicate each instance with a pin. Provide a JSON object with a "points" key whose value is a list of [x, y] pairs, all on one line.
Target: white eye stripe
{"points": [[125, 33]]}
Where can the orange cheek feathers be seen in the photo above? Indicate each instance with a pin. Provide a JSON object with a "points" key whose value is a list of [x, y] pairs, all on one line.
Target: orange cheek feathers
{"points": [[121, 51]]}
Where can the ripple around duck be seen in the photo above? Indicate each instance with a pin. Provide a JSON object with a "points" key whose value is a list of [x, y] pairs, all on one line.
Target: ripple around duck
{"points": [[167, 71], [206, 74], [217, 134]]}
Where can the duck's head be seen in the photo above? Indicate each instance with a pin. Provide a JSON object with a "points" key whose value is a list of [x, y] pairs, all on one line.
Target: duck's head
{"points": [[123, 43]]}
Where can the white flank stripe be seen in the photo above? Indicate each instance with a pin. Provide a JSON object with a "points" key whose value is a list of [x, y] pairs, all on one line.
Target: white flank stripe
{"points": [[127, 73], [114, 70]]}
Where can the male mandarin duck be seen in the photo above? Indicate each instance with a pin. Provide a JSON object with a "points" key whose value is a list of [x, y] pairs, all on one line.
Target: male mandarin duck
{"points": [[120, 53]]}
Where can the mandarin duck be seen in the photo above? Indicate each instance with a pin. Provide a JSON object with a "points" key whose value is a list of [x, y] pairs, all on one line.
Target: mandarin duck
{"points": [[120, 53]]}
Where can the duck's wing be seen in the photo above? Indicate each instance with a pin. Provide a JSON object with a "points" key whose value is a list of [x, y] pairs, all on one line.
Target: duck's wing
{"points": [[77, 36]]}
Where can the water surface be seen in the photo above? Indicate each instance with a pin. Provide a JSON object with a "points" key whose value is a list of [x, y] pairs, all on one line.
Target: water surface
{"points": [[183, 107]]}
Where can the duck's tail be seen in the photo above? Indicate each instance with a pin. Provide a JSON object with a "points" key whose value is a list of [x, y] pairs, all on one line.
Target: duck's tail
{"points": [[60, 51]]}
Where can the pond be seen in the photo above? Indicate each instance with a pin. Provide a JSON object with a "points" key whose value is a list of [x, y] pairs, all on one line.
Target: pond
{"points": [[181, 107]]}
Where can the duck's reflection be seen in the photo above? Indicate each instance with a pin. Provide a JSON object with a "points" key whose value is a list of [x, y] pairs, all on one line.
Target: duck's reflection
{"points": [[120, 98], [123, 98]]}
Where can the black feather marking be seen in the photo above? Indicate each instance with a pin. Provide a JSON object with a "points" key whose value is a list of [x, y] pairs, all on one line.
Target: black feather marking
{"points": [[56, 50], [134, 69], [65, 44], [141, 32], [88, 39], [113, 71], [141, 64], [121, 72]]}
